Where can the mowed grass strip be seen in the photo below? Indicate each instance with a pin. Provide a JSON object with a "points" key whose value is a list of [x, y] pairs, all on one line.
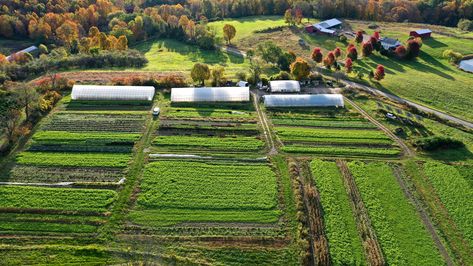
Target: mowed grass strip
{"points": [[170, 217], [37, 227], [117, 160], [245, 191], [62, 199], [344, 240], [402, 236], [456, 193], [236, 143]]}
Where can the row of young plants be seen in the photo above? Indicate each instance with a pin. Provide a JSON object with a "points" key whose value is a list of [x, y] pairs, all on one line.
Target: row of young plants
{"points": [[341, 151], [209, 114], [453, 185], [325, 122], [200, 143], [344, 241], [403, 238]]}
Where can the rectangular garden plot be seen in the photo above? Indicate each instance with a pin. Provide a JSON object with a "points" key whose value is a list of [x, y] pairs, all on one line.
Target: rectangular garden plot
{"points": [[330, 132], [177, 192]]}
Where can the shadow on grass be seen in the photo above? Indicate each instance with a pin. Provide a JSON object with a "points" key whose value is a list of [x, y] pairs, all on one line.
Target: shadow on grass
{"points": [[433, 43], [450, 155], [431, 60]]}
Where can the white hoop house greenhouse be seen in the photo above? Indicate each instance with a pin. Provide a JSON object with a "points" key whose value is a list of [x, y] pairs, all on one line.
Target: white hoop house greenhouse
{"points": [[285, 86], [214, 94], [316, 100], [114, 93]]}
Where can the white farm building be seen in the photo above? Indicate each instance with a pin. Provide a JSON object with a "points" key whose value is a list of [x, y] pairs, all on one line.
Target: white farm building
{"points": [[211, 94], [306, 100], [112, 93], [284, 86]]}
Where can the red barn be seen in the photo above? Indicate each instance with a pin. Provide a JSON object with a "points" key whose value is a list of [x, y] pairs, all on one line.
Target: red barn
{"points": [[423, 33]]}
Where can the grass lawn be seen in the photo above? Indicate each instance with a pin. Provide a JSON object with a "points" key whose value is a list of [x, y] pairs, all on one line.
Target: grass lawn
{"points": [[170, 55], [245, 27]]}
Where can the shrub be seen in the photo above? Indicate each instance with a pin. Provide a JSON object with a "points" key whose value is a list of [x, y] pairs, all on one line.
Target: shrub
{"points": [[465, 24], [413, 48], [317, 55], [367, 49], [352, 53], [379, 73], [437, 142], [401, 51], [375, 43], [452, 56], [373, 26], [337, 52], [359, 36], [348, 65], [283, 75], [343, 38]]}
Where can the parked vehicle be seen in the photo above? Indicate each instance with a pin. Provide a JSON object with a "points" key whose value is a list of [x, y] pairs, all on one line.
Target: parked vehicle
{"points": [[156, 111]]}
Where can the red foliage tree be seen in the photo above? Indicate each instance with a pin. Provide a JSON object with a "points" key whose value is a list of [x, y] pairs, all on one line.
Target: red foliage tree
{"points": [[329, 60], [413, 48], [401, 51], [359, 36], [317, 55], [379, 72], [376, 35], [352, 53], [337, 52], [367, 49], [348, 65]]}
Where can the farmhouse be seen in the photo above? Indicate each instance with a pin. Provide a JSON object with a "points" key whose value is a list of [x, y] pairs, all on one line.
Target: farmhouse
{"points": [[423, 33], [284, 86], [325, 27], [213, 94], [30, 50], [112, 93], [316, 100], [389, 44]]}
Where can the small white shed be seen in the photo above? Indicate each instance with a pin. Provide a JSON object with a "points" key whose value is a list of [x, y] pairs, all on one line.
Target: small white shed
{"points": [[284, 86]]}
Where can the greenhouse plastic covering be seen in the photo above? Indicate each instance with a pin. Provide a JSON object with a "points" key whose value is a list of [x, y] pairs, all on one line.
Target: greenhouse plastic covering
{"points": [[467, 65], [285, 86], [316, 100], [118, 93], [213, 94]]}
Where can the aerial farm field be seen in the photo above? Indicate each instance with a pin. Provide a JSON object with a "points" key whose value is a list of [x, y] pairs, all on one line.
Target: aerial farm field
{"points": [[330, 132]]}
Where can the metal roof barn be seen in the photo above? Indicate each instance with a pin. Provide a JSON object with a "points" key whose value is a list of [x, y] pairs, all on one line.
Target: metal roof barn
{"points": [[113, 93], [285, 86], [26, 50], [211, 94], [307, 100]]}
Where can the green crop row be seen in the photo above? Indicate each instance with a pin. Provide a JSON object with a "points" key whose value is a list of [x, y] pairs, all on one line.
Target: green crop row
{"points": [[293, 132], [340, 151], [201, 185], [239, 143], [61, 137], [93, 122], [344, 242], [64, 199], [29, 226], [402, 236], [456, 193], [208, 113], [355, 123], [172, 216], [74, 159]]}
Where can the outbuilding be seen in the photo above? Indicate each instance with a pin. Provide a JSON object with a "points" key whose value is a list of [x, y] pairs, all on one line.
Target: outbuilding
{"points": [[389, 44], [30, 50], [422, 33], [112, 93], [305, 100], [211, 94], [328, 27], [284, 86]]}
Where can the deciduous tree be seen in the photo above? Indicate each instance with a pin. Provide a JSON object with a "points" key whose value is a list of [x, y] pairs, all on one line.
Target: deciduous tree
{"points": [[200, 72], [379, 73], [229, 32], [317, 55], [348, 65], [300, 69]]}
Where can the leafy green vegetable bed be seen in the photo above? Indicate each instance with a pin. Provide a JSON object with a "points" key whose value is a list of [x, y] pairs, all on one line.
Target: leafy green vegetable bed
{"points": [[74, 159], [344, 242], [236, 143], [401, 234]]}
